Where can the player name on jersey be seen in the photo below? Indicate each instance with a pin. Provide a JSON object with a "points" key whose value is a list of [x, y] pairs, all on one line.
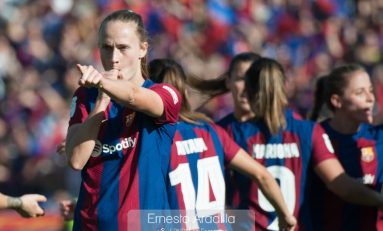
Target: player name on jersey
{"points": [[275, 151], [191, 146]]}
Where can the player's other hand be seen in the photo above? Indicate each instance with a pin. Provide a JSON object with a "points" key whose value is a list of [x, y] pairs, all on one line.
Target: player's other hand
{"points": [[67, 209]]}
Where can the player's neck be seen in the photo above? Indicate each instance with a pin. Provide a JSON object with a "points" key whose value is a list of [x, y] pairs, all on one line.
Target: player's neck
{"points": [[137, 80], [344, 126], [242, 116]]}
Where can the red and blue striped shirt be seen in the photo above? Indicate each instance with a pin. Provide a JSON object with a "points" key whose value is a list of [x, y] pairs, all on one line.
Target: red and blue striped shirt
{"points": [[128, 167]]}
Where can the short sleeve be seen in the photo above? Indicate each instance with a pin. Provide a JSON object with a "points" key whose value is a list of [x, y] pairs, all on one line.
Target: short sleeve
{"points": [[230, 147], [172, 101], [322, 146], [78, 110]]}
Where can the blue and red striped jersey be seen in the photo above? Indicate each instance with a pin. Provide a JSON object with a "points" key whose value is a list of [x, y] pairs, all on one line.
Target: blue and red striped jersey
{"points": [[288, 156], [198, 156], [232, 196], [361, 155], [228, 119], [128, 166]]}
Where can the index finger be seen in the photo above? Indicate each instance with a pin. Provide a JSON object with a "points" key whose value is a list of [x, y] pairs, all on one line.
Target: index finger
{"points": [[81, 68], [40, 198]]}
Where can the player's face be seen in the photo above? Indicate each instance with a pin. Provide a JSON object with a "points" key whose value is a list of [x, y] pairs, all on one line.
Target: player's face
{"points": [[121, 48], [236, 84], [358, 99]]}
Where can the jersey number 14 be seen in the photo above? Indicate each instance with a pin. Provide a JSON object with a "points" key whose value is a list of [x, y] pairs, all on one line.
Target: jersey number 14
{"points": [[209, 173]]}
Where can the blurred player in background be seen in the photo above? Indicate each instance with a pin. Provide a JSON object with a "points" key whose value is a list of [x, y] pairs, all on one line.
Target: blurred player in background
{"points": [[348, 93], [120, 130], [232, 80]]}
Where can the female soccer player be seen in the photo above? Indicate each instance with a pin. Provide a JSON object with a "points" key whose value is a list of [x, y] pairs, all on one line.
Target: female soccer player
{"points": [[287, 147], [120, 130], [347, 91], [200, 151], [232, 80]]}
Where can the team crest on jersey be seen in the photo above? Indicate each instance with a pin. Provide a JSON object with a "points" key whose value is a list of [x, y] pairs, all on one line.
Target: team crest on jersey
{"points": [[367, 154], [129, 119]]}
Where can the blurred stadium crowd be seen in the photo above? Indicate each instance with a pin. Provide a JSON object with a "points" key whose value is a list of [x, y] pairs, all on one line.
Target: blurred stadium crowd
{"points": [[42, 40]]}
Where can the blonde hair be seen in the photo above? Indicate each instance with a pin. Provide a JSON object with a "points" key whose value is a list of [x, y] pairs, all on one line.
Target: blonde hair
{"points": [[265, 88]]}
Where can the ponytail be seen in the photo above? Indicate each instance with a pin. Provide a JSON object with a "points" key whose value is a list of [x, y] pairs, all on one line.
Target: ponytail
{"points": [[265, 87], [217, 86], [320, 98], [169, 71], [210, 87]]}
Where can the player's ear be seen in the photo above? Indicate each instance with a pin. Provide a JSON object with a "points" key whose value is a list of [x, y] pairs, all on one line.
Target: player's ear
{"points": [[143, 49], [336, 101]]}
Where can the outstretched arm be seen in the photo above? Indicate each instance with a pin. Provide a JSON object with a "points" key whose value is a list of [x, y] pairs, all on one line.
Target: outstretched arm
{"points": [[265, 181], [124, 91], [347, 188], [133, 96], [26, 205]]}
